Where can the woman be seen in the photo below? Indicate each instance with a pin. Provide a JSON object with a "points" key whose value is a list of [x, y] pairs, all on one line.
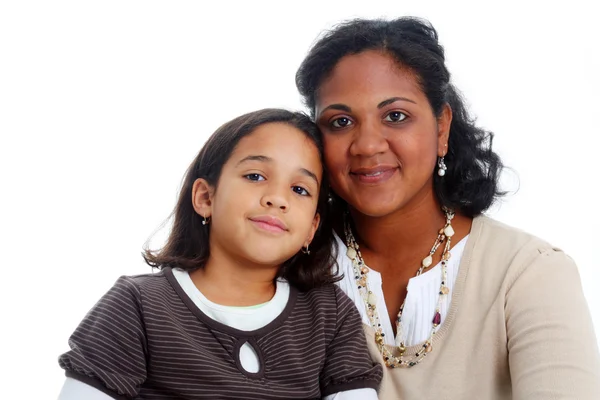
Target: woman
{"points": [[456, 305]]}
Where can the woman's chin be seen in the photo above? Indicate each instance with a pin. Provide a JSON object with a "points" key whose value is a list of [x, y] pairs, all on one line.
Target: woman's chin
{"points": [[374, 208]]}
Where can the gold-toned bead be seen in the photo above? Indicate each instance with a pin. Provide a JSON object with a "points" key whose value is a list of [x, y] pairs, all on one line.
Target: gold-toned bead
{"points": [[401, 349], [445, 290], [428, 347], [446, 256]]}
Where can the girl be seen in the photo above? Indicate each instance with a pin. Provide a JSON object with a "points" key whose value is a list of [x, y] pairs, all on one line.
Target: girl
{"points": [[242, 306]]}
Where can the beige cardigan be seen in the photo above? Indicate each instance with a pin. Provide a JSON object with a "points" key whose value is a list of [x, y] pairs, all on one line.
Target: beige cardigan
{"points": [[518, 328]]}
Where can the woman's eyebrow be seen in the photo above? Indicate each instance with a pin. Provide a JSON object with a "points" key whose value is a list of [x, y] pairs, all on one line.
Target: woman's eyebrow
{"points": [[345, 108], [337, 106], [394, 99]]}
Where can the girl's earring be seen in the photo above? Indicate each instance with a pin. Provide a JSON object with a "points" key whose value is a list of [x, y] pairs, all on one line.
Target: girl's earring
{"points": [[441, 166], [205, 221], [305, 250]]}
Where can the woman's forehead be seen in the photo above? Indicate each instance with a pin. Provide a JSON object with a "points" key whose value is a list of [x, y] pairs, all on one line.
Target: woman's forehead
{"points": [[373, 75]]}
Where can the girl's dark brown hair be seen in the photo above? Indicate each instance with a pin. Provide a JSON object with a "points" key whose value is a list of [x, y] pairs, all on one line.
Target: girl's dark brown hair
{"points": [[188, 244]]}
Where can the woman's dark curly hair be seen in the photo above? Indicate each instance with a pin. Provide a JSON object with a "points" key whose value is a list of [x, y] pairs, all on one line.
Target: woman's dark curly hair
{"points": [[470, 184], [188, 244]]}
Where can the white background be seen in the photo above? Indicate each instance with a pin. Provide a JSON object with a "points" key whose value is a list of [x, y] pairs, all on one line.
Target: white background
{"points": [[104, 104]]}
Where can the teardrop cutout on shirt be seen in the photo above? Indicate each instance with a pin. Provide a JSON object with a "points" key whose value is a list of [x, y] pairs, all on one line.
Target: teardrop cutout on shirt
{"points": [[248, 358]]}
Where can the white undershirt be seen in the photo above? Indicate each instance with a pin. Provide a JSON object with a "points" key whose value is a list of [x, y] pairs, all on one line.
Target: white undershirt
{"points": [[242, 318], [421, 300]]}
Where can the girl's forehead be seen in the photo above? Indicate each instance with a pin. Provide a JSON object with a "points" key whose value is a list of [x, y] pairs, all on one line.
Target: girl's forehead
{"points": [[273, 134], [279, 142]]}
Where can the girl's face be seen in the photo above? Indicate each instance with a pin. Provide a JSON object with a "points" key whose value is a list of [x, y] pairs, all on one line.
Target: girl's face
{"points": [[381, 137], [263, 210]]}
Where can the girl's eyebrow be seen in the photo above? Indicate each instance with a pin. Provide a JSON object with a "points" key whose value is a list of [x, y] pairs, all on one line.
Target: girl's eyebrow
{"points": [[254, 158], [306, 172], [267, 159]]}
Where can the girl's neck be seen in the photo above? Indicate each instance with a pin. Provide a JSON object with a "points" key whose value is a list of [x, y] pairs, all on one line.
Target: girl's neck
{"points": [[232, 283]]}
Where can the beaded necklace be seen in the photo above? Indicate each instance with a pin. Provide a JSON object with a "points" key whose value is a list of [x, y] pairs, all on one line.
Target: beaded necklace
{"points": [[361, 271]]}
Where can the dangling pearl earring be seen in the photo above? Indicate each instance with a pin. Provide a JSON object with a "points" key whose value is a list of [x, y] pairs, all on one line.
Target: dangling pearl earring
{"points": [[441, 166], [205, 221]]}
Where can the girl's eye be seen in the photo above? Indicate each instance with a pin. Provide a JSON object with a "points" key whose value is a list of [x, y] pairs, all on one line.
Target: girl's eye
{"points": [[254, 177], [341, 122], [395, 116], [300, 190]]}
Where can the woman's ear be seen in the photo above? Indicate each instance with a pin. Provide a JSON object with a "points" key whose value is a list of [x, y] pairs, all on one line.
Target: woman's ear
{"points": [[202, 195], [443, 124]]}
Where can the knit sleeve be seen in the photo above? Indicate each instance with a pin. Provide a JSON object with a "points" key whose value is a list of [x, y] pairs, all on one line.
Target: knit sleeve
{"points": [[108, 348], [348, 364], [553, 353]]}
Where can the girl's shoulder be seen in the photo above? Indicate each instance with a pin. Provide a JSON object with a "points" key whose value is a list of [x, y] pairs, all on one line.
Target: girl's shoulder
{"points": [[327, 300], [147, 280], [140, 292]]}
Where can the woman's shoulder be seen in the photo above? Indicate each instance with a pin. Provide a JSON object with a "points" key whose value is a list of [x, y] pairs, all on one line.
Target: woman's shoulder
{"points": [[489, 232], [510, 251]]}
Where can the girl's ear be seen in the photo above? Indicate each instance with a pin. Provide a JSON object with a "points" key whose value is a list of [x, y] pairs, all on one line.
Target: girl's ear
{"points": [[313, 229], [202, 195]]}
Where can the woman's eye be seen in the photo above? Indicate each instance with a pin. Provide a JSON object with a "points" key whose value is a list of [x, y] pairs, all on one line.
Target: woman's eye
{"points": [[341, 122], [395, 116], [300, 190], [254, 177]]}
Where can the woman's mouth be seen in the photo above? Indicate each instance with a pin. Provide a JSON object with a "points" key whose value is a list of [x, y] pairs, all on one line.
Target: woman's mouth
{"points": [[375, 175]]}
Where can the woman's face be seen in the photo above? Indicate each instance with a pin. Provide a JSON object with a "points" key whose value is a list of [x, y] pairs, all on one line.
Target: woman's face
{"points": [[381, 137]]}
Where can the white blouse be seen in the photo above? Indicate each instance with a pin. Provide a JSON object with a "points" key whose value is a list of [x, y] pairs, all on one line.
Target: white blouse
{"points": [[421, 300]]}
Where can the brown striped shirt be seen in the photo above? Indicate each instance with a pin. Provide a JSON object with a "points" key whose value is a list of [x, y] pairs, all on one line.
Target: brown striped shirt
{"points": [[146, 339]]}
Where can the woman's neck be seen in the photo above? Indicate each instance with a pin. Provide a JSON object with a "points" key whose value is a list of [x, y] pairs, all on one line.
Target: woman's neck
{"points": [[408, 230], [234, 282]]}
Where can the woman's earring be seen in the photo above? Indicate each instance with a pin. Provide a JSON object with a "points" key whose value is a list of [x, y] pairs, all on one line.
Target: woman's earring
{"points": [[441, 166], [205, 221], [305, 250]]}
